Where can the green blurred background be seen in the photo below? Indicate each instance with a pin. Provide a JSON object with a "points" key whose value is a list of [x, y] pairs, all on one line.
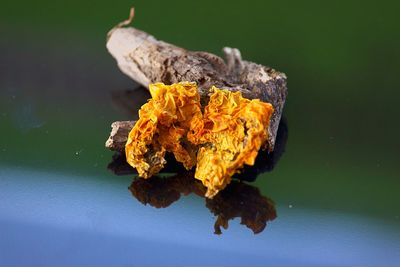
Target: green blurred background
{"points": [[341, 58]]}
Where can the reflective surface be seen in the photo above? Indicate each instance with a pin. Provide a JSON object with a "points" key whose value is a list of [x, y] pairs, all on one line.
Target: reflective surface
{"points": [[335, 188]]}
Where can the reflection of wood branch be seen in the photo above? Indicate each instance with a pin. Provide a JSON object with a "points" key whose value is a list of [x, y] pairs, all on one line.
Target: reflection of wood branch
{"points": [[129, 102], [147, 60], [240, 200]]}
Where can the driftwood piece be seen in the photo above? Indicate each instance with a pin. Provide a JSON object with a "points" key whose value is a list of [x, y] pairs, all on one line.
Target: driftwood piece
{"points": [[148, 60]]}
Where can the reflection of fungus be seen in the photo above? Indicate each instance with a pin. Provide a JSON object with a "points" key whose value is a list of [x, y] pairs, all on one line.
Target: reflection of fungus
{"points": [[226, 137], [162, 192], [237, 200], [243, 201], [154, 191]]}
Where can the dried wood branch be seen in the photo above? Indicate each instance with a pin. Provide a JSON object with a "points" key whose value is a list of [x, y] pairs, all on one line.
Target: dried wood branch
{"points": [[148, 60]]}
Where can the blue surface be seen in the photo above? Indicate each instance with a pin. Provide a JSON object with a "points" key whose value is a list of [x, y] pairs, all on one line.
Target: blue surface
{"points": [[50, 219]]}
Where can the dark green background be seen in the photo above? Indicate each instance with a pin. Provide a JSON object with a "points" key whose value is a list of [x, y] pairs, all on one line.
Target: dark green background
{"points": [[341, 58]]}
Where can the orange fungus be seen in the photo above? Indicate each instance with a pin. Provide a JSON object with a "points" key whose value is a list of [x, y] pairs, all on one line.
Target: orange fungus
{"points": [[220, 140]]}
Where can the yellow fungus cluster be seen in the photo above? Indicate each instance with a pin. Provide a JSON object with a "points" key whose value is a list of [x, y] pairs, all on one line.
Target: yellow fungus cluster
{"points": [[220, 140], [162, 126], [230, 135]]}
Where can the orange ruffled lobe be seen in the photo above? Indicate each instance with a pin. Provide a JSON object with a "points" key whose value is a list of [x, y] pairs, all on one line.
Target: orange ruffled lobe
{"points": [[162, 126], [230, 134]]}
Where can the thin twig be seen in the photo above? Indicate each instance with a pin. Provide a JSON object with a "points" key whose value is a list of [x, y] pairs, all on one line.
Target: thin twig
{"points": [[123, 23]]}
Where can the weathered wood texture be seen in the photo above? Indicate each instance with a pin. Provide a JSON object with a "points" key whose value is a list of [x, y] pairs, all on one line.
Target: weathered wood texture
{"points": [[148, 60]]}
